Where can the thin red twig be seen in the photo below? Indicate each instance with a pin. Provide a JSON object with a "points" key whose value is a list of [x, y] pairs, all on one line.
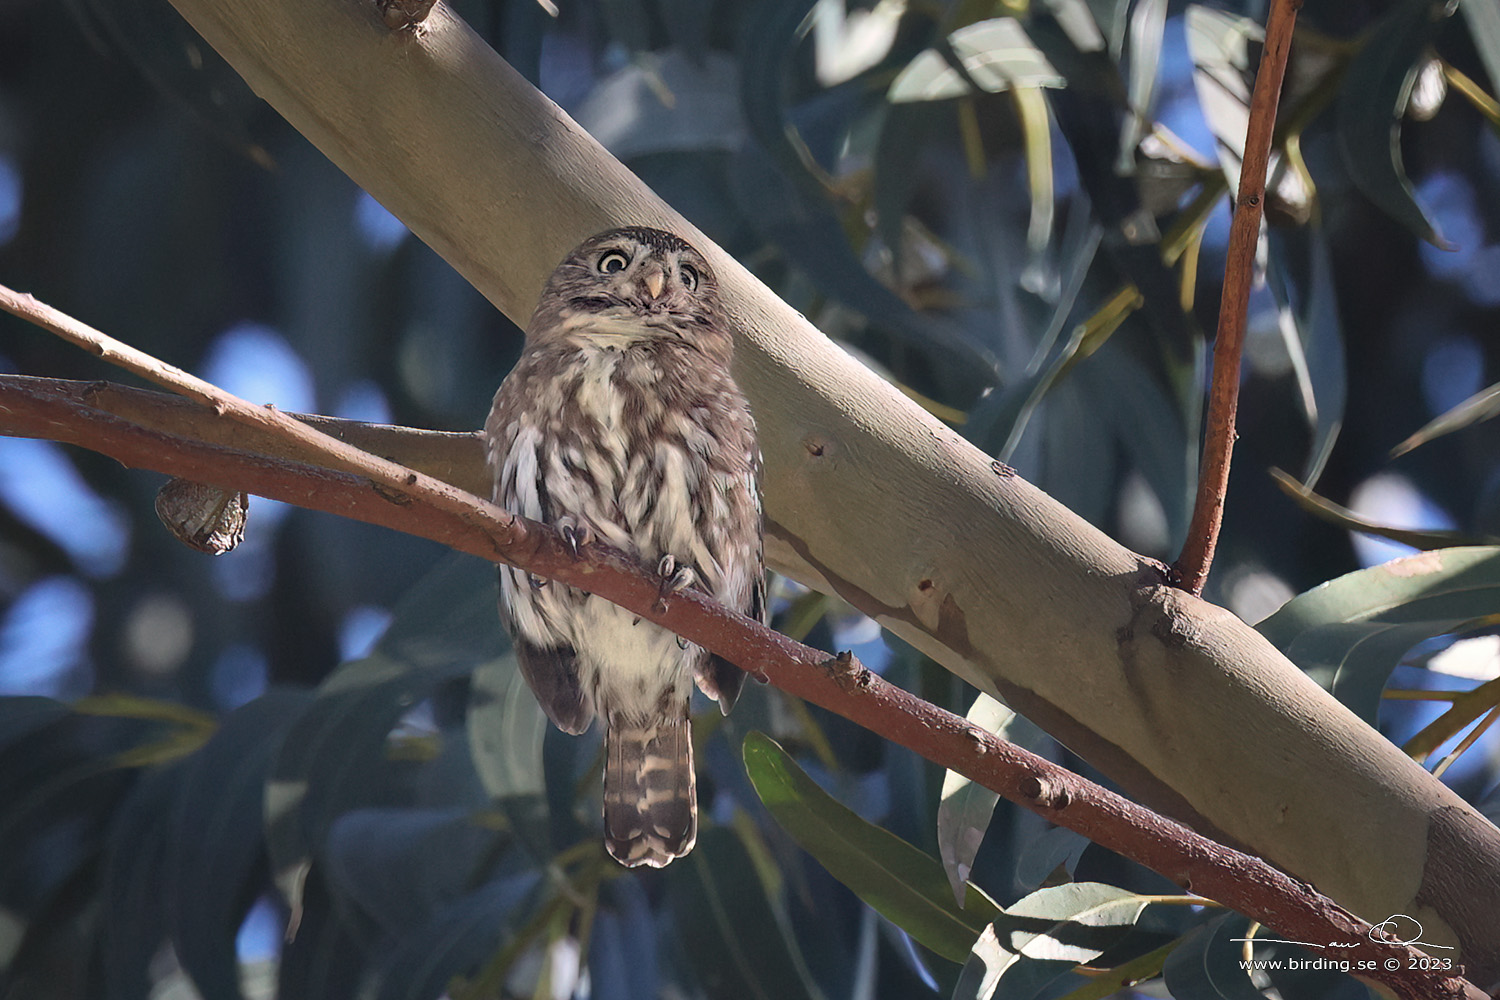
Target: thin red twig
{"points": [[1244, 233]]}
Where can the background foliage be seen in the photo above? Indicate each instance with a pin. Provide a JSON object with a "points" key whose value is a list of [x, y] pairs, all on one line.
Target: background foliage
{"points": [[324, 728]]}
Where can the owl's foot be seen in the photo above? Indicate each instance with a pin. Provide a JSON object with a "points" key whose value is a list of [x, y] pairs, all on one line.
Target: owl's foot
{"points": [[574, 535], [674, 579]]}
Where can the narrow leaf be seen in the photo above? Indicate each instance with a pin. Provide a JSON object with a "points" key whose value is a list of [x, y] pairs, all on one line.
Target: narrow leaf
{"points": [[1300, 273], [1321, 507], [737, 938], [506, 728], [904, 884], [1206, 966], [995, 55], [1350, 633], [1373, 99], [1477, 408], [217, 841], [964, 814], [331, 759], [1044, 936], [1484, 26]]}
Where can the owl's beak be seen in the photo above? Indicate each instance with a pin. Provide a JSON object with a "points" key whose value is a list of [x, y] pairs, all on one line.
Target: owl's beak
{"points": [[655, 280]]}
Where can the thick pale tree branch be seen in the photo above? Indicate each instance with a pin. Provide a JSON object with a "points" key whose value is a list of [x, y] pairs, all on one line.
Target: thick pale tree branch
{"points": [[187, 441], [869, 497]]}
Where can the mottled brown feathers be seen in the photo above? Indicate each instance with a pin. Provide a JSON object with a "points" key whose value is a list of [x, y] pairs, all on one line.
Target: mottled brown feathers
{"points": [[621, 423]]}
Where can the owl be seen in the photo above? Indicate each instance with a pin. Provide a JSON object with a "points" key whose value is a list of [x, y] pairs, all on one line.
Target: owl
{"points": [[621, 424]]}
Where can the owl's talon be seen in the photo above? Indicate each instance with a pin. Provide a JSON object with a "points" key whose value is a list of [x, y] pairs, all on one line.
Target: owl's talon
{"points": [[674, 578], [574, 535]]}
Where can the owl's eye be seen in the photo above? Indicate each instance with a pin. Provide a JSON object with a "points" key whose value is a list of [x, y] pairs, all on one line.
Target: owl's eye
{"points": [[689, 277], [613, 262]]}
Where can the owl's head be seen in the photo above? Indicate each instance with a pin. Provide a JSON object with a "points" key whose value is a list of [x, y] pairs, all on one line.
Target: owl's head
{"points": [[633, 283]]}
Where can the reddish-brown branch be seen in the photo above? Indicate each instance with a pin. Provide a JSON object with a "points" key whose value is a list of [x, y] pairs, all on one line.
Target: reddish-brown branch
{"points": [[63, 411], [1244, 233]]}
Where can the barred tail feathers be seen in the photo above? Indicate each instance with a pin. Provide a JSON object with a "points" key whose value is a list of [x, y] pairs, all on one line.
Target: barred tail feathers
{"points": [[650, 799]]}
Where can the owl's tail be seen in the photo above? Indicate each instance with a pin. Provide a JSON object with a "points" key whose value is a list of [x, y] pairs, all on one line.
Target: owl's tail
{"points": [[650, 803]]}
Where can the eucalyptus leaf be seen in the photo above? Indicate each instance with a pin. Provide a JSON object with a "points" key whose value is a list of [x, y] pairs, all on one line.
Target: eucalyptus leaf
{"points": [[1417, 538], [964, 813], [422, 961], [1206, 966], [996, 55], [1300, 273], [1302, 979], [1046, 935], [1351, 632], [1040, 859], [333, 757], [1483, 405], [1371, 102], [737, 938], [1445, 584], [23, 715], [322, 957], [1484, 25], [902, 883], [60, 776], [1148, 22], [1219, 43], [674, 102], [135, 869], [216, 841], [506, 730], [623, 953], [401, 867]]}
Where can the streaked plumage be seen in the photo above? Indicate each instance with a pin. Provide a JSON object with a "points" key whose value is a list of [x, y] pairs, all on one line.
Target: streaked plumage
{"points": [[621, 423]]}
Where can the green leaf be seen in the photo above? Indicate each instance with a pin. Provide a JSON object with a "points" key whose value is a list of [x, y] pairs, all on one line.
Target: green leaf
{"points": [[423, 960], [506, 727], [1479, 407], [1057, 847], [1484, 26], [1449, 583], [737, 938], [25, 714], [1206, 965], [134, 872], [904, 884], [1219, 44], [1300, 273], [996, 55], [59, 784], [217, 841], [1044, 936], [964, 813], [333, 758], [1350, 633], [1370, 105], [1322, 507], [1147, 26]]}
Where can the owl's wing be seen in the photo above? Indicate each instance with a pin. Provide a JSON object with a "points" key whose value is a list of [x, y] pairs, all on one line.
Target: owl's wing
{"points": [[727, 678], [552, 674], [719, 678], [551, 671]]}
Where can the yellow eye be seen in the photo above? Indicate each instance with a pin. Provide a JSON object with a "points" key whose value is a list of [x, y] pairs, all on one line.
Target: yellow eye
{"points": [[689, 277], [613, 262]]}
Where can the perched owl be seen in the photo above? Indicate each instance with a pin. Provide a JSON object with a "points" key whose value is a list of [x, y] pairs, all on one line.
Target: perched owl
{"points": [[620, 423]]}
